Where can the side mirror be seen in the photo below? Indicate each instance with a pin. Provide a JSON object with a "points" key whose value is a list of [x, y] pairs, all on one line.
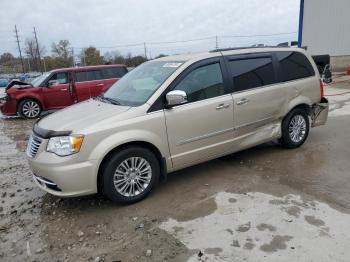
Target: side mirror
{"points": [[53, 83], [176, 97]]}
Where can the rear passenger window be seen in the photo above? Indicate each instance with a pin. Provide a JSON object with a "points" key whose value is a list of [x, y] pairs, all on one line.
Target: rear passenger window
{"points": [[252, 72], [113, 72], [294, 65], [91, 75], [94, 75], [203, 83]]}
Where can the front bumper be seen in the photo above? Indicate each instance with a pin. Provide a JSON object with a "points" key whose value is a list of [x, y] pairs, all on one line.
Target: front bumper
{"points": [[63, 177], [8, 107]]}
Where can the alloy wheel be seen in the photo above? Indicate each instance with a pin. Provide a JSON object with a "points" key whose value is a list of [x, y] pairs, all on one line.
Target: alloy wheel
{"points": [[297, 128], [132, 176], [31, 109]]}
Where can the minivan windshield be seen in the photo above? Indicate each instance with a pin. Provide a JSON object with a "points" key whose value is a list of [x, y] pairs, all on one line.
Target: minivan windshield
{"points": [[38, 80], [137, 86]]}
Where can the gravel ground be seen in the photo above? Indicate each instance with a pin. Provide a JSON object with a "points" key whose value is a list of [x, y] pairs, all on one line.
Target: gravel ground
{"points": [[265, 203]]}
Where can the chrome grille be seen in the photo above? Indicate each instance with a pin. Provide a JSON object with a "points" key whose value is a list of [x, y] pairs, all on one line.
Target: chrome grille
{"points": [[33, 145]]}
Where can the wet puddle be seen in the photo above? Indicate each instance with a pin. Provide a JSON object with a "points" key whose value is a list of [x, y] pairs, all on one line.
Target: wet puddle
{"points": [[262, 227]]}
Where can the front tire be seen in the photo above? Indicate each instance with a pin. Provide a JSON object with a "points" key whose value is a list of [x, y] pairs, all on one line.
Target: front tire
{"points": [[29, 108], [295, 128], [129, 175]]}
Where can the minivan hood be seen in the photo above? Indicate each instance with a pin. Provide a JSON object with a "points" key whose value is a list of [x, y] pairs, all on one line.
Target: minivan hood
{"points": [[18, 84], [80, 116]]}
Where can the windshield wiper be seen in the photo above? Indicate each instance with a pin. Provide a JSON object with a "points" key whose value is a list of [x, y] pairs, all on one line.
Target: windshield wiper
{"points": [[107, 99], [111, 100]]}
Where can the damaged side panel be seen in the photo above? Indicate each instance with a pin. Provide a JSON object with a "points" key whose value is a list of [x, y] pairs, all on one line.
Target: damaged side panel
{"points": [[319, 113]]}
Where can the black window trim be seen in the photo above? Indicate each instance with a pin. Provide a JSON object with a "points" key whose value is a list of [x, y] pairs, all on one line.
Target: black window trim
{"points": [[229, 58], [160, 102]]}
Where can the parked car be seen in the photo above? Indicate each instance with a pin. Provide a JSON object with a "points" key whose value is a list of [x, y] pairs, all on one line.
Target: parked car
{"points": [[3, 82], [175, 112], [58, 89]]}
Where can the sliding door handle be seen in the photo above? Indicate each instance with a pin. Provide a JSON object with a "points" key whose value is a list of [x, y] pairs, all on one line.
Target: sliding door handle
{"points": [[243, 101], [222, 106]]}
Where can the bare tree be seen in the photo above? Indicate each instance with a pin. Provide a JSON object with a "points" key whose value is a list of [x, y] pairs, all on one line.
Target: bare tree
{"points": [[31, 51]]}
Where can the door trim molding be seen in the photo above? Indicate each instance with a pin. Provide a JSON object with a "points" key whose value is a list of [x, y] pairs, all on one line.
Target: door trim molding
{"points": [[204, 136]]}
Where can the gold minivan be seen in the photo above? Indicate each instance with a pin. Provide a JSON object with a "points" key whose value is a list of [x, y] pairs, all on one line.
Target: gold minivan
{"points": [[174, 112]]}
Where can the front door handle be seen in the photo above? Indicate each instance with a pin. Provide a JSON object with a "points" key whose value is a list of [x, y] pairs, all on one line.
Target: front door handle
{"points": [[100, 84], [64, 89], [243, 101], [222, 106]]}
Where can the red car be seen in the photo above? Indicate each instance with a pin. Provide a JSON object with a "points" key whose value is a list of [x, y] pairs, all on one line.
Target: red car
{"points": [[58, 89]]}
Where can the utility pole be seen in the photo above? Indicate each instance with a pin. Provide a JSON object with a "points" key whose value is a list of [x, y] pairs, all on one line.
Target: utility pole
{"points": [[73, 60], [19, 49], [29, 69], [84, 57], [144, 46], [44, 64], [37, 48], [216, 42]]}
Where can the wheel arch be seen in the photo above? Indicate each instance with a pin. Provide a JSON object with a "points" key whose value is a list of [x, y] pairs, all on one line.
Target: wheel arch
{"points": [[303, 106], [29, 98], [302, 102], [143, 144]]}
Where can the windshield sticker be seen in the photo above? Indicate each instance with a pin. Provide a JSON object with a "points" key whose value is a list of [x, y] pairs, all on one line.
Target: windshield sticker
{"points": [[175, 65]]}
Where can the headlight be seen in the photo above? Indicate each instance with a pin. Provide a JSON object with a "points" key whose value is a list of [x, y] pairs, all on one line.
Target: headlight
{"points": [[65, 145]]}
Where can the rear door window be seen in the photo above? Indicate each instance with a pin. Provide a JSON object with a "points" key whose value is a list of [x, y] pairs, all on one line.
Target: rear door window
{"points": [[294, 65], [90, 75], [81, 76], [93, 75], [113, 72], [248, 73]]}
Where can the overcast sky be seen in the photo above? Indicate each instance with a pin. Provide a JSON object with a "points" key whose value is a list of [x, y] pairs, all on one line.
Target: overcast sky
{"points": [[109, 23]]}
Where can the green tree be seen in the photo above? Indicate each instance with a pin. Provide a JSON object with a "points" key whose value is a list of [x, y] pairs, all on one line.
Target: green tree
{"points": [[63, 54], [91, 56]]}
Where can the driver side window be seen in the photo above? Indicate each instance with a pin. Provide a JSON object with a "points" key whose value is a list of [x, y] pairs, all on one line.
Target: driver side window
{"points": [[203, 83], [60, 78]]}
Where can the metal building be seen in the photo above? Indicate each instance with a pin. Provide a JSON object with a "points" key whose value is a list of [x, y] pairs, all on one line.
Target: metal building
{"points": [[324, 28]]}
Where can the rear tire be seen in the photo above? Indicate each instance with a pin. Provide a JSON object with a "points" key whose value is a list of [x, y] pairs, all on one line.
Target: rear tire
{"points": [[129, 175], [295, 128], [29, 108]]}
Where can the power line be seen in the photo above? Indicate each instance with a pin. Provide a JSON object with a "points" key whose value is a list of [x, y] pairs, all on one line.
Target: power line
{"points": [[261, 35], [216, 38], [181, 41]]}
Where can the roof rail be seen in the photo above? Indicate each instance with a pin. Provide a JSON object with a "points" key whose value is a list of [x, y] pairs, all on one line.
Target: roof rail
{"points": [[246, 47]]}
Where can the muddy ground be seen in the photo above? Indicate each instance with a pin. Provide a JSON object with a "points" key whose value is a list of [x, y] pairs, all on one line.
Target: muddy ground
{"points": [[263, 204]]}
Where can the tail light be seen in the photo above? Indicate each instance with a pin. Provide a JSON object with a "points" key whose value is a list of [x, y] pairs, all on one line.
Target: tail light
{"points": [[321, 88]]}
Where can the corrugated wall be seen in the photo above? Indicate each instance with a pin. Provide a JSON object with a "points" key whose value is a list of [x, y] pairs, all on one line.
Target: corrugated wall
{"points": [[326, 27]]}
